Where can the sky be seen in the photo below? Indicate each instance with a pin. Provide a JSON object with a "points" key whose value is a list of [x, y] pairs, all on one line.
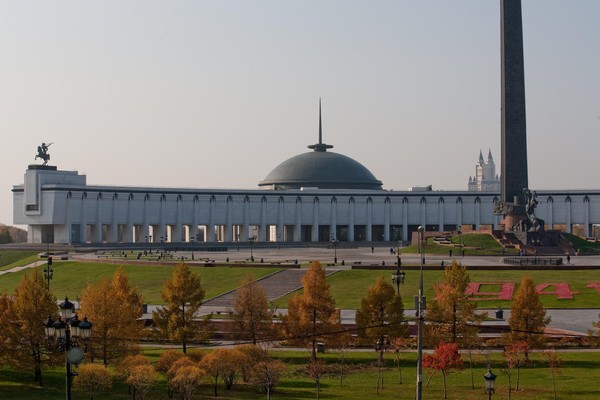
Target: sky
{"points": [[215, 94]]}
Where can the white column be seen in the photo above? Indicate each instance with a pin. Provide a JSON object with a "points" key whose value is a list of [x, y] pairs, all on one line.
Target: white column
{"points": [[386, 219], [405, 219], [98, 226], [458, 213], [114, 224], [128, 237], [145, 234], [550, 213], [369, 233], [351, 219], [210, 228], [298, 226], [162, 226], [194, 227], [477, 213], [315, 222], [423, 211], [333, 220], [228, 234], [586, 215], [263, 220], [568, 214], [177, 231], [441, 214], [68, 218], [280, 234], [246, 220]]}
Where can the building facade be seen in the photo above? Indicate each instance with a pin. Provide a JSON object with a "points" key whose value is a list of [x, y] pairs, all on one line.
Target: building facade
{"points": [[60, 207], [485, 179]]}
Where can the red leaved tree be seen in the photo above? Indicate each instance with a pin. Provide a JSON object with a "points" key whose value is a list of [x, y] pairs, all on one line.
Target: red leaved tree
{"points": [[445, 359]]}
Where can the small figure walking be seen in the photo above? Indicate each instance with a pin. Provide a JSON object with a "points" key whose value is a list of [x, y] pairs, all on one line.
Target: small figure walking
{"points": [[568, 259], [372, 249]]}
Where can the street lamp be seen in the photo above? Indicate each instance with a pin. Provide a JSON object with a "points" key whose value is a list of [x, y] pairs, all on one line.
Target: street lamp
{"points": [[48, 271], [335, 243], [252, 240], [398, 261], [64, 331], [490, 377], [459, 241], [398, 278], [420, 306]]}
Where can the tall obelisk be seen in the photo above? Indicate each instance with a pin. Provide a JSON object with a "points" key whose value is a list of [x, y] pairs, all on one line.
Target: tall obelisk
{"points": [[514, 134]]}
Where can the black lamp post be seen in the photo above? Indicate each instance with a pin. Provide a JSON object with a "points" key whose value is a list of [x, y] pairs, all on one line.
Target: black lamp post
{"points": [[459, 241], [399, 260], [490, 377], [335, 243], [252, 240], [398, 278], [64, 330], [48, 271], [420, 306]]}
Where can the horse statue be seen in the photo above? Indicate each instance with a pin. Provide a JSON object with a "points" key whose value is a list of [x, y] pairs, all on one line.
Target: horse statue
{"points": [[43, 153]]}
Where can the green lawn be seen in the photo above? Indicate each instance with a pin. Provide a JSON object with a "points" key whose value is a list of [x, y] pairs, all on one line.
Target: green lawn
{"points": [[71, 277], [576, 382], [10, 258], [349, 287]]}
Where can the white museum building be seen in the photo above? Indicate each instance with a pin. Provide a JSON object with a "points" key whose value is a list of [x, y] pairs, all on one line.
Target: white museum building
{"points": [[316, 196]]}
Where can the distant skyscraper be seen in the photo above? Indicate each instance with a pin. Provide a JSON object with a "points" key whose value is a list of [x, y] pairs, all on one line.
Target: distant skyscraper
{"points": [[485, 179]]}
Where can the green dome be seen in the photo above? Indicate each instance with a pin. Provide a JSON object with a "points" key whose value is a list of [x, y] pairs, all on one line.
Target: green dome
{"points": [[321, 169]]}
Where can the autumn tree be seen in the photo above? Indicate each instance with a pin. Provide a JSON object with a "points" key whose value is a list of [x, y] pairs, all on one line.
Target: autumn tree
{"points": [[183, 294], [115, 307], [554, 363], [252, 317], [527, 318], [186, 381], [312, 315], [92, 378], [252, 355], [142, 378], [516, 356], [223, 364], [127, 364], [445, 359], [23, 333], [381, 317], [316, 369], [452, 316], [266, 375]]}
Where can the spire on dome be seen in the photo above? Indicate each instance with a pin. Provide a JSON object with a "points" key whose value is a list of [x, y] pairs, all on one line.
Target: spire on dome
{"points": [[490, 159], [320, 146], [481, 157]]}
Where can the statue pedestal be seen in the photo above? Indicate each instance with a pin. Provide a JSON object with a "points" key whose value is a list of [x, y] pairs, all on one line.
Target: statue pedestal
{"points": [[512, 220]]}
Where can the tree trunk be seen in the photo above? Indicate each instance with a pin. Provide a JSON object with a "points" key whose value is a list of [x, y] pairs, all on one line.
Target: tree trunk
{"points": [[471, 368], [518, 377], [444, 380], [554, 384], [509, 385]]}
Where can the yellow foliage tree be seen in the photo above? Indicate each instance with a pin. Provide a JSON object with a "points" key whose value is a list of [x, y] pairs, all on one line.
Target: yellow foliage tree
{"points": [[527, 317], [452, 316], [26, 340], [186, 380], [183, 294], [92, 378], [224, 364], [114, 306], [142, 378], [252, 317], [312, 315]]}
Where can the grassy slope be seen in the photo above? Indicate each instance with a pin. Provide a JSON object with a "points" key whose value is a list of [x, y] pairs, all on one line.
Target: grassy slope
{"points": [[71, 277], [573, 384], [474, 244], [10, 258]]}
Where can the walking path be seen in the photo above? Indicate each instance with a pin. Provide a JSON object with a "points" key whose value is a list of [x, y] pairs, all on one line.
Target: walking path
{"points": [[17, 269], [275, 286]]}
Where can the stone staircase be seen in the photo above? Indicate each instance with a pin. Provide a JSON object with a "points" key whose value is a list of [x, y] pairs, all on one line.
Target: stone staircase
{"points": [[275, 285]]}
